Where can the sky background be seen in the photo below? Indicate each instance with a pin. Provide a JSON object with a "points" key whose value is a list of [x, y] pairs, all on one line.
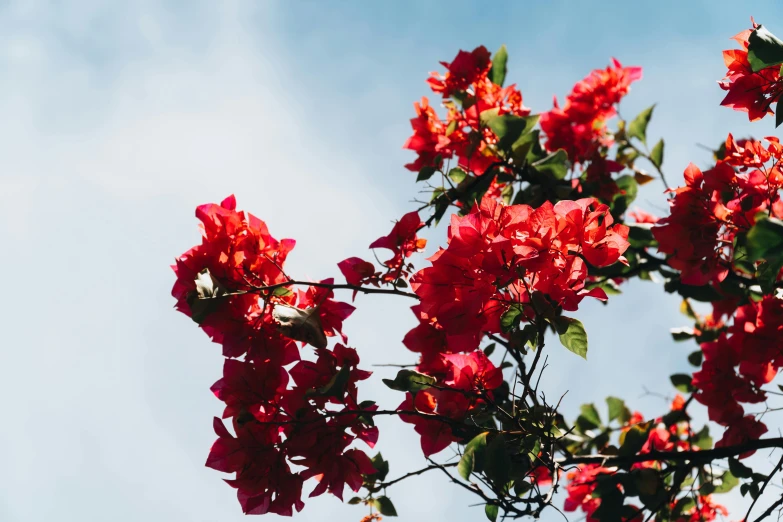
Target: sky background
{"points": [[118, 118]]}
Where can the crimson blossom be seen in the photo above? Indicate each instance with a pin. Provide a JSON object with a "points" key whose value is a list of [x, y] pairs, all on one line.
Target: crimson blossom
{"points": [[539, 217]]}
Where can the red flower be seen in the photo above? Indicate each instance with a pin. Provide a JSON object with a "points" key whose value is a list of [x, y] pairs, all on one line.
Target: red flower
{"points": [[465, 69], [748, 91], [473, 372], [579, 126]]}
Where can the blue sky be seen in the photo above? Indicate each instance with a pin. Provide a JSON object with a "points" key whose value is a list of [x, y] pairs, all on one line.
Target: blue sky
{"points": [[119, 118]]}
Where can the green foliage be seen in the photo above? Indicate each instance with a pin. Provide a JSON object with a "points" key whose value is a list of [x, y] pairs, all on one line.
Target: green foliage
{"points": [[473, 456], [682, 381], [764, 238], [511, 317], [764, 49], [507, 127], [497, 74], [572, 335], [410, 381], [384, 506], [638, 127], [618, 410], [657, 154]]}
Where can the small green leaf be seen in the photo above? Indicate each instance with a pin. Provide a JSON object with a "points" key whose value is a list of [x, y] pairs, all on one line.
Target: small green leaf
{"points": [[336, 385], [491, 510], [489, 349], [695, 358], [457, 175], [555, 164], [702, 439], [410, 381], [683, 333], [738, 469], [497, 465], [572, 335], [638, 127], [657, 154], [511, 317], [618, 410], [384, 506], [282, 291], [764, 49], [355, 500], [590, 413], [633, 439], [381, 466], [766, 236], [473, 456], [767, 272], [497, 74], [727, 482], [682, 382], [426, 173], [507, 127]]}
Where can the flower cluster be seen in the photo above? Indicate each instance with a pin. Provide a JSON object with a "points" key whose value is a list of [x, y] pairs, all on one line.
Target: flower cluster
{"points": [[502, 256], [402, 241], [748, 91], [717, 204], [579, 127], [467, 92], [284, 409], [469, 379], [737, 364]]}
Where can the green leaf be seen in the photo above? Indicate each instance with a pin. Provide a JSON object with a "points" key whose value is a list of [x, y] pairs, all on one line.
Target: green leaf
{"points": [[685, 504], [497, 466], [657, 154], [764, 49], [426, 173], [638, 127], [491, 510], [727, 482], [702, 439], [629, 187], [633, 439], [640, 235], [767, 272], [618, 410], [572, 335], [473, 456], [526, 147], [489, 349], [647, 481], [682, 382], [765, 237], [355, 500], [555, 164], [511, 317], [381, 466], [497, 74], [738, 469], [410, 381], [683, 333], [384, 506], [590, 413], [457, 175], [282, 291], [695, 358], [507, 127], [336, 385]]}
